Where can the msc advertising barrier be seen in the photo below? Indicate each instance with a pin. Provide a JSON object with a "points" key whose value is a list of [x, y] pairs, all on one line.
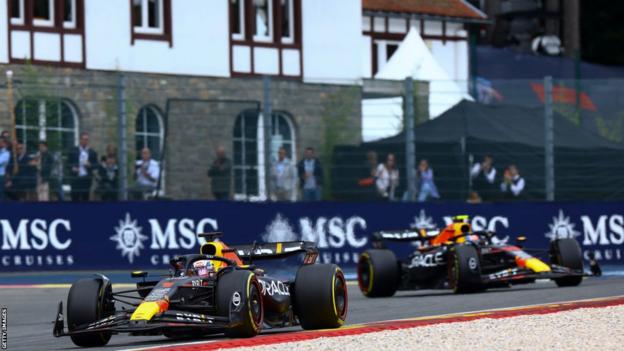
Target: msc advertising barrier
{"points": [[145, 235]]}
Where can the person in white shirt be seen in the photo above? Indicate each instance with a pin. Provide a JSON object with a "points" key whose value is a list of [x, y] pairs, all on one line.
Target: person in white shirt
{"points": [[147, 174], [387, 178], [82, 161], [5, 157], [283, 178], [513, 184]]}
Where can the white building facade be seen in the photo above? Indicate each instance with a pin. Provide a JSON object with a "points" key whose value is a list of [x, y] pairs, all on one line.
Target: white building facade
{"points": [[217, 38]]}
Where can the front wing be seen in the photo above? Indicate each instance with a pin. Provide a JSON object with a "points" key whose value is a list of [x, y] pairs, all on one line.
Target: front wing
{"points": [[120, 322], [520, 274]]}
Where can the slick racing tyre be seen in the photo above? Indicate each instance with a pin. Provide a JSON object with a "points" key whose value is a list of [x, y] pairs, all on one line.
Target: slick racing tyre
{"points": [[241, 290], [89, 300], [320, 296], [465, 269], [378, 273], [567, 253]]}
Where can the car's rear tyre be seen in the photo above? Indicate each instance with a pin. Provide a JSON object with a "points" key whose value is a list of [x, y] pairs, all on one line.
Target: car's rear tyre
{"points": [[567, 253], [378, 273], [89, 300], [245, 286], [465, 269], [320, 297]]}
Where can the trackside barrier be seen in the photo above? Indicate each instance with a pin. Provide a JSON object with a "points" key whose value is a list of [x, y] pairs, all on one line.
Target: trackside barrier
{"points": [[145, 235]]}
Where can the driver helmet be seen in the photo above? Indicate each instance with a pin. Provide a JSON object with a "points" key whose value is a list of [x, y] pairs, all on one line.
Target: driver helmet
{"points": [[203, 268]]}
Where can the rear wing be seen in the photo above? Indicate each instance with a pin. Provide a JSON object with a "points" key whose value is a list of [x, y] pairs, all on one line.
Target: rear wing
{"points": [[266, 251], [406, 235]]}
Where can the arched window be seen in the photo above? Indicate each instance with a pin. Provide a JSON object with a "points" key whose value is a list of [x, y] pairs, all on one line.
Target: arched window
{"points": [[249, 157], [52, 120], [149, 131]]}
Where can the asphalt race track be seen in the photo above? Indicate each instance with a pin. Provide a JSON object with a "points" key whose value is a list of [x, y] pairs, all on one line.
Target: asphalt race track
{"points": [[31, 310]]}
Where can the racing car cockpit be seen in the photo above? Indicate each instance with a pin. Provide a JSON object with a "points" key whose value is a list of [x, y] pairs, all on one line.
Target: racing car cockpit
{"points": [[198, 265], [459, 230]]}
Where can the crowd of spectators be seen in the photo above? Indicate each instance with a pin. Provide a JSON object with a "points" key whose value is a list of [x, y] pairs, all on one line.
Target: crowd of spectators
{"points": [[381, 181], [487, 185], [288, 181], [39, 175]]}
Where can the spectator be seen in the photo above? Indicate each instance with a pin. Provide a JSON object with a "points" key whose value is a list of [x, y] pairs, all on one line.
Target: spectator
{"points": [[83, 162], [5, 159], [56, 178], [474, 198], [427, 187], [7, 139], [369, 179], [283, 177], [221, 175], [108, 174], [111, 151], [147, 174], [45, 162], [513, 184], [23, 183], [387, 178], [310, 176], [483, 177]]}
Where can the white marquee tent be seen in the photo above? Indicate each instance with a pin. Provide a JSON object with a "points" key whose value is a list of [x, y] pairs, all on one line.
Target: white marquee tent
{"points": [[383, 117]]}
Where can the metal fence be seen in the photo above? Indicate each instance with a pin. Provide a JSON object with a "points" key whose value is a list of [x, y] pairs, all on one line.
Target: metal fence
{"points": [[564, 139]]}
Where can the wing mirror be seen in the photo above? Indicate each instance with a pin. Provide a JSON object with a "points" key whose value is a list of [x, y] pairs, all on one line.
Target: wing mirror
{"points": [[138, 274], [520, 240]]}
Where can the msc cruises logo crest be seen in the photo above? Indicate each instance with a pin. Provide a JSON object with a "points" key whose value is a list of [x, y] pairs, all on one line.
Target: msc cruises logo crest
{"points": [[129, 238], [422, 221], [279, 230], [562, 228]]}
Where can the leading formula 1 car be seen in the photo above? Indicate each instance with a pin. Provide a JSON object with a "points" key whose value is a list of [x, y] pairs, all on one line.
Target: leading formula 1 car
{"points": [[464, 260], [218, 290]]}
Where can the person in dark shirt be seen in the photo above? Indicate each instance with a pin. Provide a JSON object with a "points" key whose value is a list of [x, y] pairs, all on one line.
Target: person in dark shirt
{"points": [[310, 173], [23, 183], [83, 162], [220, 173], [366, 182], [513, 184], [108, 175], [483, 177]]}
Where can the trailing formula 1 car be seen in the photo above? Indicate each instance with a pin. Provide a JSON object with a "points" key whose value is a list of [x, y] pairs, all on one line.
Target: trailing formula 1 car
{"points": [[220, 290], [464, 260]]}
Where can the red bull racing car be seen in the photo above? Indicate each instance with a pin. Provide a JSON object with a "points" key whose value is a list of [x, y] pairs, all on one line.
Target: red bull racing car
{"points": [[219, 290], [464, 260]]}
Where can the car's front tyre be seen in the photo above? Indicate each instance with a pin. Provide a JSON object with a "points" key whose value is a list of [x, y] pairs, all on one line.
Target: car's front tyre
{"points": [[465, 269], [241, 289], [89, 300], [567, 253]]}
